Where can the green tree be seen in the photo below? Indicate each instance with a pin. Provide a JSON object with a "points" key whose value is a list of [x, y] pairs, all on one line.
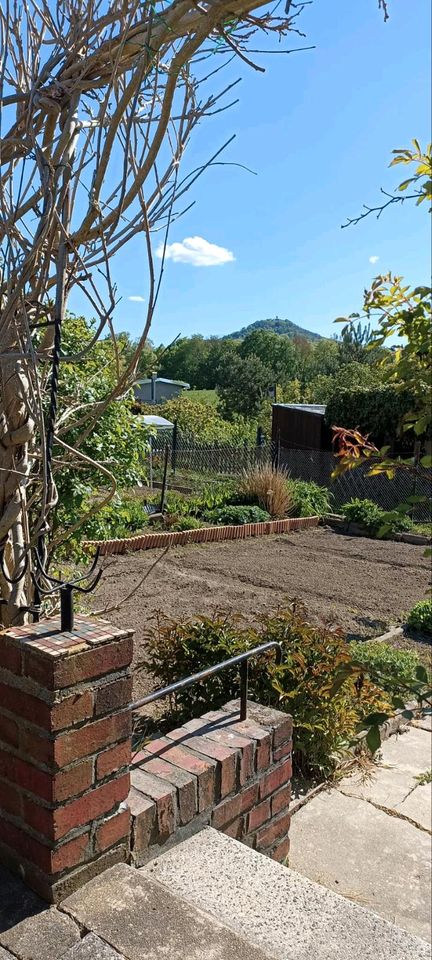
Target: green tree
{"points": [[148, 360], [245, 387], [185, 360], [323, 360], [277, 352], [220, 353], [352, 376]]}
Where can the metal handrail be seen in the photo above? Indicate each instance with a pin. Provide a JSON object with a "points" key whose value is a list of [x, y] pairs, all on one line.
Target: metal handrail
{"points": [[241, 658]]}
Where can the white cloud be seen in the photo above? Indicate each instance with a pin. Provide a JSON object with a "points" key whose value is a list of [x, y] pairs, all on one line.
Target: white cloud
{"points": [[137, 299], [373, 259], [196, 251]]}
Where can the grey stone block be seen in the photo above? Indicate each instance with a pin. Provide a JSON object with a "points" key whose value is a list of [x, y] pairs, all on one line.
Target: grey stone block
{"points": [[45, 936], [144, 921], [92, 948], [285, 914]]}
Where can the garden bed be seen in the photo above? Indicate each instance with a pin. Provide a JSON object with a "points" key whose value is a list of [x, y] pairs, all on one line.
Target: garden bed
{"points": [[363, 585]]}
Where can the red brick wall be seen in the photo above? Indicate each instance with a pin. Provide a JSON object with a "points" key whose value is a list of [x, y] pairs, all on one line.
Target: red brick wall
{"points": [[65, 751], [220, 771]]}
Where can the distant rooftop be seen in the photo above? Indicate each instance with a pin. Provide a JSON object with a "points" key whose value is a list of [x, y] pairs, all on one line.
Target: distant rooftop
{"points": [[307, 407], [177, 383], [160, 423]]}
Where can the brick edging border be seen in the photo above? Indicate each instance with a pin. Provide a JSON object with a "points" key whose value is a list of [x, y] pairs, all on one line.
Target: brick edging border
{"points": [[202, 535]]}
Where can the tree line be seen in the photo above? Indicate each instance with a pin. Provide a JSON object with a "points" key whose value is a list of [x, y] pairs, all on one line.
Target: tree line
{"points": [[264, 365]]}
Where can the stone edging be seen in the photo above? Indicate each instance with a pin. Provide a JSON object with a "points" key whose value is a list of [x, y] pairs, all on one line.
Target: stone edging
{"points": [[148, 541]]}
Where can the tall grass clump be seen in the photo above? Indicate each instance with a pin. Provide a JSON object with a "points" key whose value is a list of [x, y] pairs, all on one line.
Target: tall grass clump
{"points": [[267, 487]]}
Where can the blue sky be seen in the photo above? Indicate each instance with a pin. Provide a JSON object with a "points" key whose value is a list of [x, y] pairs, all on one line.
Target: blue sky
{"points": [[318, 128]]}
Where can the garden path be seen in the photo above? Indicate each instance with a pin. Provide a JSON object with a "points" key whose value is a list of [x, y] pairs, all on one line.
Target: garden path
{"points": [[369, 838]]}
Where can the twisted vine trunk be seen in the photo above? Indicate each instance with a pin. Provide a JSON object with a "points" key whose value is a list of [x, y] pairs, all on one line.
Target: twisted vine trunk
{"points": [[16, 436]]}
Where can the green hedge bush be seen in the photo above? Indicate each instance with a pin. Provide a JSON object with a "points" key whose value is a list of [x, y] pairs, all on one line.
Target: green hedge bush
{"points": [[374, 519], [310, 499], [420, 617], [236, 515], [377, 411], [313, 684], [386, 664]]}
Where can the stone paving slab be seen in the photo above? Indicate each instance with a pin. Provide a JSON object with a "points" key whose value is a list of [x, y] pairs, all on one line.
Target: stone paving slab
{"points": [[91, 948], [377, 860], [144, 921], [424, 723], [29, 929], [46, 936], [5, 955], [392, 782], [274, 907], [418, 805]]}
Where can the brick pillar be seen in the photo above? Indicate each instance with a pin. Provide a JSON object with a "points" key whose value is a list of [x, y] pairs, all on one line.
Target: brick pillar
{"points": [[65, 751]]}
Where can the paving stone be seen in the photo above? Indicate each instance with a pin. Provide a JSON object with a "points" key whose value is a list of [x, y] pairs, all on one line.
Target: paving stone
{"points": [[418, 805], [16, 901], [357, 850], [46, 936], [392, 780], [285, 914], [143, 921], [91, 948], [5, 955], [425, 723]]}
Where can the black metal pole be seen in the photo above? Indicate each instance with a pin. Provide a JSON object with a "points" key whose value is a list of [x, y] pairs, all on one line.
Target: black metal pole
{"points": [[244, 686], [164, 481], [66, 608], [174, 448]]}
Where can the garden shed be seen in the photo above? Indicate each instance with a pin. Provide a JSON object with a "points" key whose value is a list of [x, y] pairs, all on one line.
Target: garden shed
{"points": [[300, 426], [156, 389]]}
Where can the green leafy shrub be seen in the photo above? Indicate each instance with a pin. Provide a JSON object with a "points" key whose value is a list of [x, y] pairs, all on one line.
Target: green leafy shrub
{"points": [[236, 515], [377, 522], [121, 517], [176, 649], [420, 617], [177, 503], [423, 529], [365, 512], [309, 498], [377, 411], [183, 523], [212, 495], [326, 708], [318, 686], [201, 420], [386, 664]]}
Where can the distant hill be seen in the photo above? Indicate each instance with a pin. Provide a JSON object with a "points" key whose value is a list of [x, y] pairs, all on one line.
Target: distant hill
{"points": [[285, 327]]}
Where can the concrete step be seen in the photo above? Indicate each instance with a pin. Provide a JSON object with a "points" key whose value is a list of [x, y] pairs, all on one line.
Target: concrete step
{"points": [[284, 914], [133, 917]]}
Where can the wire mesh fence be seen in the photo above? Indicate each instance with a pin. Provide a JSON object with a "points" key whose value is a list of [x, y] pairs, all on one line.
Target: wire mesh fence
{"points": [[221, 459], [188, 456], [318, 465]]}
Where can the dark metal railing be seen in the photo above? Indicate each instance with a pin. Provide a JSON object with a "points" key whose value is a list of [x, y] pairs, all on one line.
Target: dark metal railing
{"points": [[241, 658]]}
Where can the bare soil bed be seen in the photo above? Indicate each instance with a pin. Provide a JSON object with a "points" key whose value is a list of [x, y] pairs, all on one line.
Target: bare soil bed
{"points": [[363, 585]]}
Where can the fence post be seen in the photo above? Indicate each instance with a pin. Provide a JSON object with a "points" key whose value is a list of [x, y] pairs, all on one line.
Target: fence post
{"points": [[260, 442], [174, 447], [276, 454], [417, 454]]}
